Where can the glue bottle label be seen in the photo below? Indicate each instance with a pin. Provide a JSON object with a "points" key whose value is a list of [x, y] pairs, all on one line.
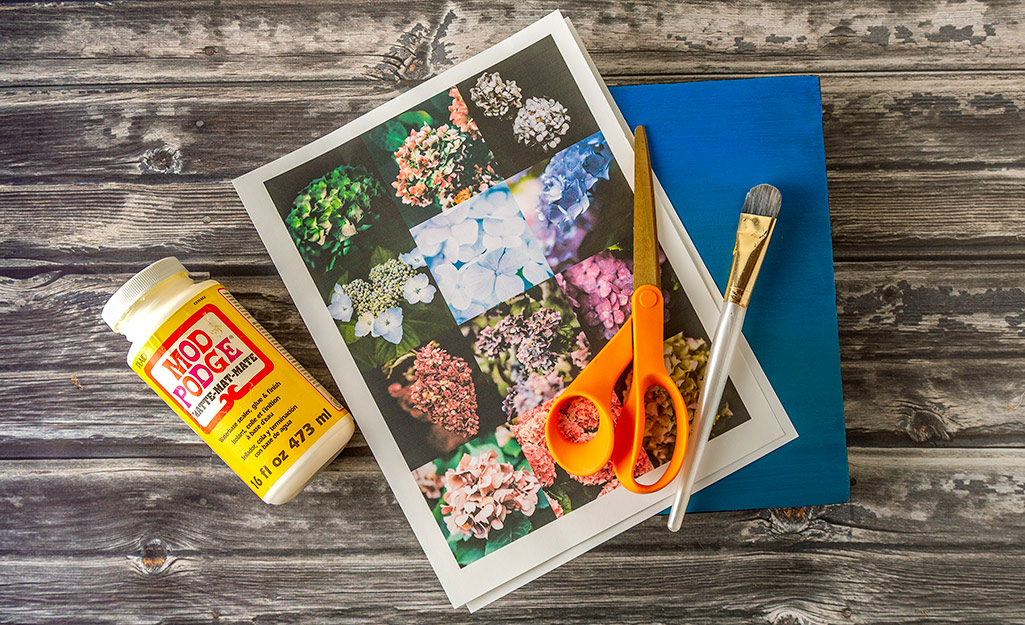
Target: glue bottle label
{"points": [[207, 365], [236, 387]]}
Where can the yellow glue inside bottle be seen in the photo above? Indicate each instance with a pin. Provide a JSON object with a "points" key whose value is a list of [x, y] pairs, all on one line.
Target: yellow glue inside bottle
{"points": [[241, 392]]}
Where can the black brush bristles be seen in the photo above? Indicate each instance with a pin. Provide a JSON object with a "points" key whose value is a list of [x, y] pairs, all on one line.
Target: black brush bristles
{"points": [[763, 200]]}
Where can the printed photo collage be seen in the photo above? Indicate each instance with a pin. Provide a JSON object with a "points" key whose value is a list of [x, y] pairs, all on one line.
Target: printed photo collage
{"points": [[475, 254]]}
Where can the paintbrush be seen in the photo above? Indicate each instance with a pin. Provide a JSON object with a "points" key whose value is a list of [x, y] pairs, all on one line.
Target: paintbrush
{"points": [[757, 219]]}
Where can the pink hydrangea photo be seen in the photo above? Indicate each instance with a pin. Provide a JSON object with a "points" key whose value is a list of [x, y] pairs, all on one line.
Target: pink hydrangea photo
{"points": [[432, 157], [436, 398], [484, 495]]}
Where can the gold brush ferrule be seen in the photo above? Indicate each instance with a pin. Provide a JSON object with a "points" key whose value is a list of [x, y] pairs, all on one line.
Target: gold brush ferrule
{"points": [[752, 239]]}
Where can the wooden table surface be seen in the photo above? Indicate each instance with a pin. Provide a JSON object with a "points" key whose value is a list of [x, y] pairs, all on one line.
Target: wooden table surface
{"points": [[121, 124]]}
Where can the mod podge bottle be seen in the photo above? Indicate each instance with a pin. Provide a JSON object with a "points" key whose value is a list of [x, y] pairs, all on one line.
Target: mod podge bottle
{"points": [[263, 414]]}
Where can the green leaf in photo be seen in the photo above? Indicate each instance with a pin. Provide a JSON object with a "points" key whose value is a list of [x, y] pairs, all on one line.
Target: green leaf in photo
{"points": [[423, 321], [512, 448], [389, 136], [415, 119], [410, 339], [559, 493], [469, 551], [516, 526], [362, 350], [439, 517], [383, 350], [380, 256], [347, 330]]}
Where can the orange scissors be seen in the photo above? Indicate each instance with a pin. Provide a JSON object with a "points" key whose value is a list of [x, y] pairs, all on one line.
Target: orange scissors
{"points": [[638, 342]]}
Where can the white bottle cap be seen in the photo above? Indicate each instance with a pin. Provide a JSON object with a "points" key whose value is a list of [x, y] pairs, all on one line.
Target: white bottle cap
{"points": [[129, 293]]}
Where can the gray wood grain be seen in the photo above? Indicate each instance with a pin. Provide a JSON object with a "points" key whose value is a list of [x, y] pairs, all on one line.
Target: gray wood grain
{"points": [[883, 215], [168, 41], [930, 357], [908, 157], [156, 537], [832, 584], [891, 403], [196, 505], [895, 309], [886, 122]]}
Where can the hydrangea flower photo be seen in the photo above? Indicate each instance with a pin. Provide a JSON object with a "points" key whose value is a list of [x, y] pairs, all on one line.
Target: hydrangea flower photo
{"points": [[481, 253], [484, 496], [531, 347], [377, 302], [329, 211], [600, 288], [433, 157], [496, 97], [383, 299], [578, 421], [459, 114], [541, 123], [439, 389], [435, 397], [577, 203], [433, 168]]}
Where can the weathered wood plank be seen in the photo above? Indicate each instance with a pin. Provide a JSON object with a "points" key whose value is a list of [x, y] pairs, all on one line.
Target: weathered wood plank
{"points": [[917, 402], [945, 402], [74, 337], [117, 225], [169, 41], [636, 587], [934, 310], [918, 499], [921, 213], [103, 413], [958, 310], [887, 309], [902, 122], [938, 532], [920, 345]]}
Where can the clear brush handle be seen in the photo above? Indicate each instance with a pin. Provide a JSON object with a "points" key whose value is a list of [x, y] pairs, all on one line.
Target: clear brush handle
{"points": [[724, 343]]}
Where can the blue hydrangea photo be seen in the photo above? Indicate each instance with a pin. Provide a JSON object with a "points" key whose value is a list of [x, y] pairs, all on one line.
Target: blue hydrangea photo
{"points": [[481, 252], [576, 203]]}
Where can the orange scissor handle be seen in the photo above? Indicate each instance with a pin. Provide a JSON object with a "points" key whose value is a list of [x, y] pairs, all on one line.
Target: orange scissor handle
{"points": [[639, 341], [596, 383], [649, 370]]}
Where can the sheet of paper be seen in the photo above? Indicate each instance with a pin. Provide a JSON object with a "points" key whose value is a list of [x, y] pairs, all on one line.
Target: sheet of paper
{"points": [[459, 254]]}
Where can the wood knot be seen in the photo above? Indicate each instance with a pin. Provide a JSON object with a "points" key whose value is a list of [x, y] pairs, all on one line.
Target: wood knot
{"points": [[161, 161], [792, 520], [788, 617], [153, 558], [924, 425], [209, 50], [419, 53]]}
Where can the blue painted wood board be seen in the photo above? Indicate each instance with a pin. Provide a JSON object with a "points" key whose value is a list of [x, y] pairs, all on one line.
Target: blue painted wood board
{"points": [[710, 142]]}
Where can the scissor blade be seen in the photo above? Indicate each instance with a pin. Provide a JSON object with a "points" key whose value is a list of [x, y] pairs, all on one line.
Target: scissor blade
{"points": [[646, 270]]}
